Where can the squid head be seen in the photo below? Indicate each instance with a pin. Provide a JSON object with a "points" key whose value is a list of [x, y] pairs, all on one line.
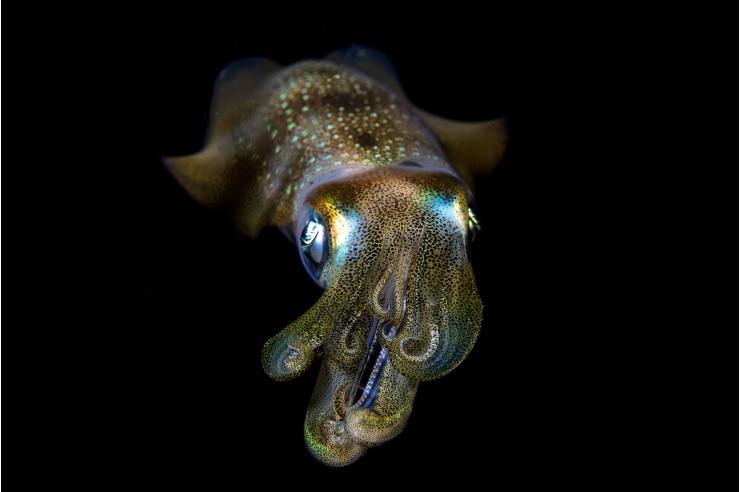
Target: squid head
{"points": [[401, 306]]}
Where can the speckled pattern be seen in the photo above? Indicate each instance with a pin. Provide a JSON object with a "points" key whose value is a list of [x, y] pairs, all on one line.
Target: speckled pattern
{"points": [[401, 306]]}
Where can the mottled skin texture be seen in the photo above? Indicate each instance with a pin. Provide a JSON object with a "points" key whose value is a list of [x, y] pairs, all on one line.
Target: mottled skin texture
{"points": [[338, 137]]}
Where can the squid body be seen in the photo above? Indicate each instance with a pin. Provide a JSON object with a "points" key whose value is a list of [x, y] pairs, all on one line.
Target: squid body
{"points": [[375, 193]]}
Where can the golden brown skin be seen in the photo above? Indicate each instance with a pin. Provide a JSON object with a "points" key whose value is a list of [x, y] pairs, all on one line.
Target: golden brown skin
{"points": [[332, 152]]}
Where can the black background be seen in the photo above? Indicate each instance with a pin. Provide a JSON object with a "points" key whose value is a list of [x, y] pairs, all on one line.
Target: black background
{"points": [[168, 308], [135, 319]]}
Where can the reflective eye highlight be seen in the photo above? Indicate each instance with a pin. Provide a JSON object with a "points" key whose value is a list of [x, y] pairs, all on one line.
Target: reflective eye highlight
{"points": [[473, 225], [314, 245], [313, 240]]}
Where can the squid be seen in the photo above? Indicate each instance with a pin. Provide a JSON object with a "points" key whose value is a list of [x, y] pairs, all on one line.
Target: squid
{"points": [[377, 196]]}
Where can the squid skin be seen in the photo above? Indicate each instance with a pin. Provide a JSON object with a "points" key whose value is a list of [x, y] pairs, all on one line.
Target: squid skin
{"points": [[376, 194]]}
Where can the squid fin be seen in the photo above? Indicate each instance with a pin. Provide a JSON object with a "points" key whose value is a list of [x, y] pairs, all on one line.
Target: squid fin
{"points": [[474, 148], [214, 176], [202, 175], [234, 95]]}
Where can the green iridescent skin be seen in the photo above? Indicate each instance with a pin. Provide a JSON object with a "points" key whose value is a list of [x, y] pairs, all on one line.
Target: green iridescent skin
{"points": [[339, 137]]}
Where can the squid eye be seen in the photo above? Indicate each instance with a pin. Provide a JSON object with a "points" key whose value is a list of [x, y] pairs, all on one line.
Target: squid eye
{"points": [[473, 225], [314, 245]]}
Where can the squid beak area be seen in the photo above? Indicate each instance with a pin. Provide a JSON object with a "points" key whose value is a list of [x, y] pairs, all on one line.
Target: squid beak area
{"points": [[357, 407]]}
